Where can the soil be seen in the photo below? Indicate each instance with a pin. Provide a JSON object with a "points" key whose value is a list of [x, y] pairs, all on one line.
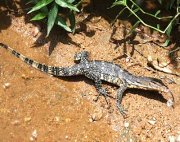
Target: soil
{"points": [[35, 106]]}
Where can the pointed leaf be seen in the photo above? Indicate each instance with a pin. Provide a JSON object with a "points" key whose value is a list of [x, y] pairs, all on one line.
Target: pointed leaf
{"points": [[134, 26], [171, 3], [61, 22], [168, 31], [39, 16], [156, 14], [30, 1], [52, 17], [166, 43], [72, 21], [40, 4], [132, 6], [135, 10], [44, 10], [160, 1], [65, 4], [70, 1], [117, 3], [158, 26]]}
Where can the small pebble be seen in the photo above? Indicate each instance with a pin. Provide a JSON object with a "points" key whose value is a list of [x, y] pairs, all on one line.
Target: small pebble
{"points": [[171, 139], [170, 103], [57, 118], [97, 115], [6, 85], [152, 121], [15, 122], [67, 120], [163, 64], [90, 93], [27, 119], [36, 30], [128, 59], [86, 137], [66, 137], [149, 59], [126, 124], [26, 77], [178, 138], [33, 135]]}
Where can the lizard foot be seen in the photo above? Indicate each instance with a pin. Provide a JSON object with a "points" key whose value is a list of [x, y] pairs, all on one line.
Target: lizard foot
{"points": [[122, 111], [104, 93]]}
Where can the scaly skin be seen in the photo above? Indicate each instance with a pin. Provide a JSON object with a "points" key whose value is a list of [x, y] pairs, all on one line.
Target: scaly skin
{"points": [[100, 71]]}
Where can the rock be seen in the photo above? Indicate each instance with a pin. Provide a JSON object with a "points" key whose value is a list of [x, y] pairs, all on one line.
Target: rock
{"points": [[170, 103], [126, 124], [57, 118], [15, 122], [171, 139], [67, 120], [33, 135], [36, 30], [97, 115], [6, 85], [152, 121], [27, 119], [177, 138]]}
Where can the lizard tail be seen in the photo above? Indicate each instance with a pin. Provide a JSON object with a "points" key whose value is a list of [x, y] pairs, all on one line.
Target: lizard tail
{"points": [[56, 71]]}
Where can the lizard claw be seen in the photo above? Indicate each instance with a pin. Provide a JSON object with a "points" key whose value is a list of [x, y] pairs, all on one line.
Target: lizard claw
{"points": [[124, 114], [122, 111], [103, 92]]}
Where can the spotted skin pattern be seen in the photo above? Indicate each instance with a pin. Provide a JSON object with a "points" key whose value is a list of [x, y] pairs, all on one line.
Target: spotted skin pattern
{"points": [[99, 71]]}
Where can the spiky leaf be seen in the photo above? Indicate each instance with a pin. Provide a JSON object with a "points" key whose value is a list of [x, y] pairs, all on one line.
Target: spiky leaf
{"points": [[40, 4], [156, 14], [134, 26], [72, 21], [39, 16], [65, 4], [62, 23], [52, 17]]}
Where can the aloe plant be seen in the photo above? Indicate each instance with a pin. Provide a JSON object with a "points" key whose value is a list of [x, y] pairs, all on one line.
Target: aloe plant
{"points": [[50, 9]]}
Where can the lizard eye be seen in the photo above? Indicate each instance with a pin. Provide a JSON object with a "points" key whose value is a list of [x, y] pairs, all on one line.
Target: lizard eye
{"points": [[77, 57]]}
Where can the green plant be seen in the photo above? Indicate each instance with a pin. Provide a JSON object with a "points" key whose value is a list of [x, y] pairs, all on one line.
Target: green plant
{"points": [[135, 9], [51, 10]]}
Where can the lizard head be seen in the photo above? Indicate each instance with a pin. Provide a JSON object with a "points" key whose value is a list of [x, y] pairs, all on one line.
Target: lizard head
{"points": [[81, 56]]}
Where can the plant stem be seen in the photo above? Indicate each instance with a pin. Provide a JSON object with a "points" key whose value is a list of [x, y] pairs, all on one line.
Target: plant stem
{"points": [[150, 25], [159, 18]]}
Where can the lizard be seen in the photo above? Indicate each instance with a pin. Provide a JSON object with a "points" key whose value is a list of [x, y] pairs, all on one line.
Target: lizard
{"points": [[99, 71]]}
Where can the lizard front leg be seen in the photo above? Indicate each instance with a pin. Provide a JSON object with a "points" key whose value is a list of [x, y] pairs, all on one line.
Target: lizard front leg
{"points": [[120, 92], [101, 91], [98, 84]]}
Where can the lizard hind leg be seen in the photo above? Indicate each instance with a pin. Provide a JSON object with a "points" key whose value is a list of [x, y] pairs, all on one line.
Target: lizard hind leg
{"points": [[81, 56]]}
